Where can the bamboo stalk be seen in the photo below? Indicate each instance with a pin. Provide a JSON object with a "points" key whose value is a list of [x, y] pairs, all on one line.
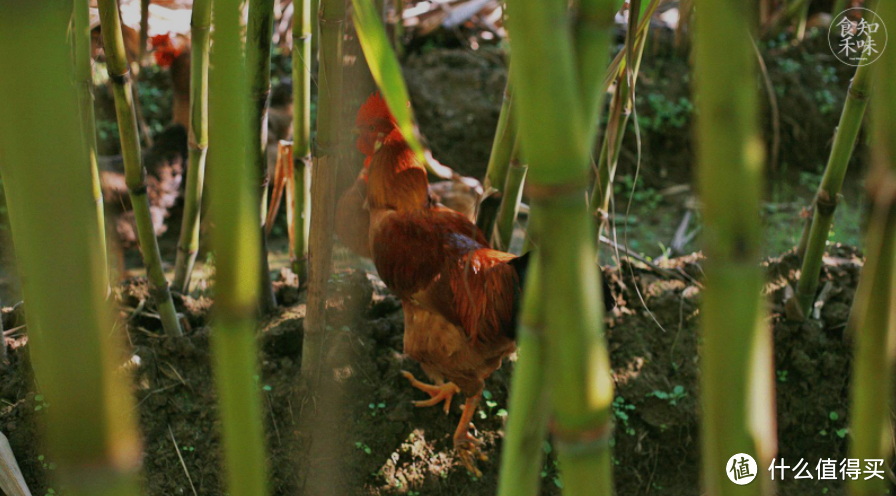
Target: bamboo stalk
{"points": [[301, 127], [735, 360], [236, 238], [510, 205], [577, 362], [144, 30], [135, 174], [593, 22], [258, 64], [72, 346], [827, 197], [3, 353], [326, 159], [81, 44], [873, 320], [498, 163], [188, 243], [529, 405]]}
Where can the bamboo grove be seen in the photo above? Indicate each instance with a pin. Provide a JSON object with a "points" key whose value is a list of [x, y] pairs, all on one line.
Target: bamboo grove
{"points": [[548, 148]]}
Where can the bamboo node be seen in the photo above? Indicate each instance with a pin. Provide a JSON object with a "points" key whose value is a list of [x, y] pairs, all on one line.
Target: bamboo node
{"points": [[122, 78], [861, 94], [582, 442], [304, 161], [825, 204], [548, 192], [138, 190], [334, 22], [160, 292]]}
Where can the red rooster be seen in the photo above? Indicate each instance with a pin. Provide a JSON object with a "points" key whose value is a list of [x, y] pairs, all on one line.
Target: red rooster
{"points": [[373, 123], [460, 298]]}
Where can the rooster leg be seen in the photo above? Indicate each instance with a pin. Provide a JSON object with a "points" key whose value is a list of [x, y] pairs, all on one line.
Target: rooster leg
{"points": [[468, 448], [437, 393]]}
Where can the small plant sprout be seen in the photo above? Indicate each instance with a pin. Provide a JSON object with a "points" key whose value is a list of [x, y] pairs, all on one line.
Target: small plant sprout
{"points": [[620, 410], [374, 407], [677, 393]]}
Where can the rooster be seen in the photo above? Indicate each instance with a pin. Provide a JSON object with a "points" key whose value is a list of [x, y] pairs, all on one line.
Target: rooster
{"points": [[373, 123], [352, 217], [460, 298]]}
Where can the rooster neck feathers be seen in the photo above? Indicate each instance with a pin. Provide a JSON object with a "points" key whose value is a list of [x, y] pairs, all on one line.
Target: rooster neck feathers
{"points": [[397, 180]]}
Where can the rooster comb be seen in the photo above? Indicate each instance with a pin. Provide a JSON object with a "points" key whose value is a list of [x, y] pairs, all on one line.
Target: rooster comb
{"points": [[374, 108]]}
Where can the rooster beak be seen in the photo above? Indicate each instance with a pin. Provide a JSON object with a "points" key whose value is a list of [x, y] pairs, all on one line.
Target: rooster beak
{"points": [[379, 141]]}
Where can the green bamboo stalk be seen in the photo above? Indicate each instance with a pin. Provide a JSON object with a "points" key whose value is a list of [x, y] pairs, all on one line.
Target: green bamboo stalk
{"points": [[827, 197], [81, 44], [498, 164], [735, 394], [872, 326], [236, 238], [557, 128], [3, 353], [59, 250], [529, 406], [326, 159], [510, 204], [594, 20], [188, 243], [301, 127], [135, 174], [258, 64], [873, 320], [144, 30]]}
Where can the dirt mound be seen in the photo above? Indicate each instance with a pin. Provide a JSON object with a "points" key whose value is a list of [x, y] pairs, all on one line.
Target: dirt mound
{"points": [[373, 441], [457, 98]]}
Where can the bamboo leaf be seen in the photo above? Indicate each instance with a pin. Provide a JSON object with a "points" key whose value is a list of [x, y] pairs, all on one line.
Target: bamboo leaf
{"points": [[386, 72]]}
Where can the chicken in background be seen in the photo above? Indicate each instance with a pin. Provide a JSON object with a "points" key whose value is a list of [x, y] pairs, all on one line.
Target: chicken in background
{"points": [[460, 298]]}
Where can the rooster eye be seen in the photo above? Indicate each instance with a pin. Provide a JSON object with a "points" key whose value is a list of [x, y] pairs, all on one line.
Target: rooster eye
{"points": [[372, 127]]}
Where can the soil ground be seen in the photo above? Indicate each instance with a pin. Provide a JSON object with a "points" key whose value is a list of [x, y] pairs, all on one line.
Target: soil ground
{"points": [[378, 443]]}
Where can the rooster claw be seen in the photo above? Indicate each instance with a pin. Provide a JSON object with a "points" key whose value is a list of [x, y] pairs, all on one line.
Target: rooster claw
{"points": [[437, 393], [469, 450]]}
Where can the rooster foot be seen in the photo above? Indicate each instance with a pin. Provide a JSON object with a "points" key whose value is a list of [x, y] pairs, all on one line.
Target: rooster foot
{"points": [[437, 393], [469, 450]]}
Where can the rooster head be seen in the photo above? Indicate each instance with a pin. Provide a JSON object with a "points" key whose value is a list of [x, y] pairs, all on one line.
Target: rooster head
{"points": [[374, 122], [164, 49]]}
